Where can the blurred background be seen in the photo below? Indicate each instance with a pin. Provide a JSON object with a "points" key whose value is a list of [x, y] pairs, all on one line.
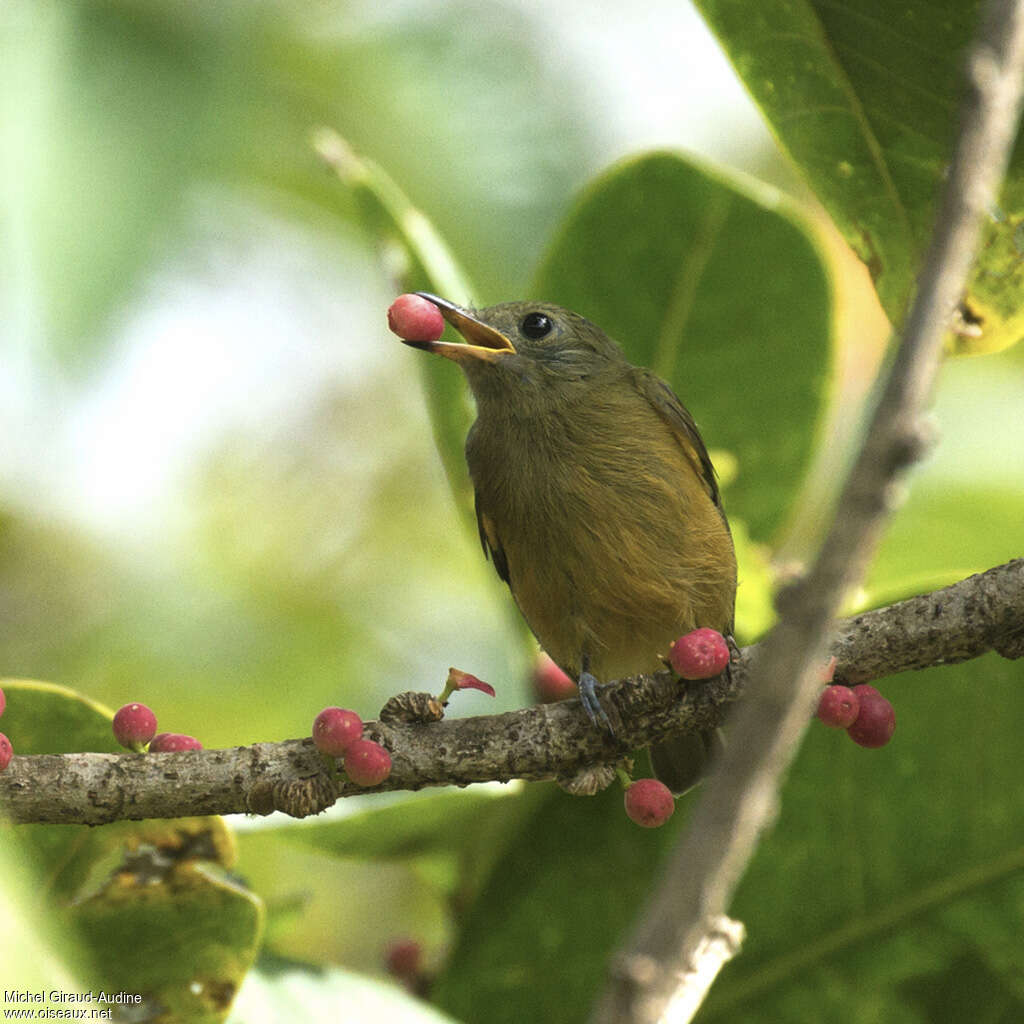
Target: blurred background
{"points": [[219, 492]]}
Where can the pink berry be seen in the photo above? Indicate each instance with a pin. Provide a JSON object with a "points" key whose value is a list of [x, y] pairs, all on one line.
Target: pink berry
{"points": [[171, 742], [876, 721], [701, 654], [404, 958], [550, 683], [6, 752], [649, 803], [134, 726], [415, 319], [335, 730], [838, 706], [367, 763], [3, 702]]}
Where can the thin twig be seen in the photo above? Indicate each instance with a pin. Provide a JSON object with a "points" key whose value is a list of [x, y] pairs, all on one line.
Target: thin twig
{"points": [[740, 800]]}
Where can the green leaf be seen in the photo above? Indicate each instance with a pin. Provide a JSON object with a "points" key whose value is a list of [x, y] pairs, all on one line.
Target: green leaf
{"points": [[185, 935], [719, 287], [865, 99], [43, 718], [893, 876]]}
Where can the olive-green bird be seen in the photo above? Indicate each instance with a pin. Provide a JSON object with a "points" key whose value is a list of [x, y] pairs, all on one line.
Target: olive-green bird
{"points": [[595, 498]]}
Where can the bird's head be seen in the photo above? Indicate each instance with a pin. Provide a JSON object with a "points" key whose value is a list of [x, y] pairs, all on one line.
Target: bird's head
{"points": [[534, 352]]}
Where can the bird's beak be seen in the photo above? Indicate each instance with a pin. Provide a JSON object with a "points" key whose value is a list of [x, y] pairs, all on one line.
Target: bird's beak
{"points": [[482, 340]]}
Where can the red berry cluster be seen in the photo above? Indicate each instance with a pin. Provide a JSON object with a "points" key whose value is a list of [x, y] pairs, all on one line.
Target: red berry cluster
{"points": [[867, 717], [134, 728], [6, 750], [337, 732]]}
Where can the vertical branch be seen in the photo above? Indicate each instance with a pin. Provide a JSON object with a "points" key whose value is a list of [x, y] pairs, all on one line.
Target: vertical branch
{"points": [[651, 974]]}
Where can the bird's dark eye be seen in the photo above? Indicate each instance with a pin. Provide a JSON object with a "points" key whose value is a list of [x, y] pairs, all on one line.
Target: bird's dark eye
{"points": [[536, 325]]}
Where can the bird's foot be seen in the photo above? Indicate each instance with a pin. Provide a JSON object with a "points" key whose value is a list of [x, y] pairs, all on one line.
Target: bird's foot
{"points": [[591, 704]]}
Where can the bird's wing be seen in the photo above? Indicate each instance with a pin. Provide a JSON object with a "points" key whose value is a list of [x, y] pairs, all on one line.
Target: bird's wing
{"points": [[491, 542], [667, 405]]}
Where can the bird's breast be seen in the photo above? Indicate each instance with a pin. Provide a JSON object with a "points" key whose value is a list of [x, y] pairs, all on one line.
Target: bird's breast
{"points": [[612, 545]]}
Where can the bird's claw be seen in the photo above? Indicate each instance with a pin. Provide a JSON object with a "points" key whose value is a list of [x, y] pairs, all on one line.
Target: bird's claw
{"points": [[591, 703]]}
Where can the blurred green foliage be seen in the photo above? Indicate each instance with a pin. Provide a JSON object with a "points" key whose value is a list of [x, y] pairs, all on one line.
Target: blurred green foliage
{"points": [[318, 557]]}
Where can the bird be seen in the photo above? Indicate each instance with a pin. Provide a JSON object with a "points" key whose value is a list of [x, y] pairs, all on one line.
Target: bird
{"points": [[596, 501]]}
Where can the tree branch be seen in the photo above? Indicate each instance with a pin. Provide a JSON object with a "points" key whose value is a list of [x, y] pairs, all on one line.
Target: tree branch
{"points": [[739, 800], [969, 618]]}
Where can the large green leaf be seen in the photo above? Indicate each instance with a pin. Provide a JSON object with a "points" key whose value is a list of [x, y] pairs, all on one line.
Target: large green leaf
{"points": [[183, 936], [719, 288], [864, 97]]}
